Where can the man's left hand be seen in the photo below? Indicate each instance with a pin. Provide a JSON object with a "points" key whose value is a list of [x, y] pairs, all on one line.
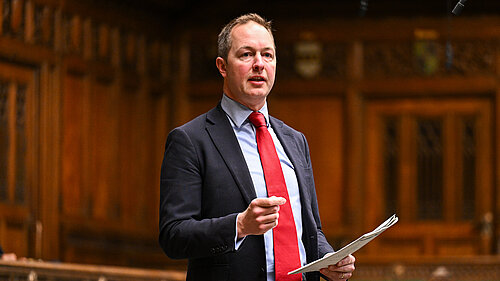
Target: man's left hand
{"points": [[340, 271]]}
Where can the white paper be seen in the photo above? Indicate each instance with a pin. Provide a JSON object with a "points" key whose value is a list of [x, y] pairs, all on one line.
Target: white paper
{"points": [[352, 247]]}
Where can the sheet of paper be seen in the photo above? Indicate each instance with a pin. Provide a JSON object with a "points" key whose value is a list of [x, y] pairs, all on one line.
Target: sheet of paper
{"points": [[347, 250]]}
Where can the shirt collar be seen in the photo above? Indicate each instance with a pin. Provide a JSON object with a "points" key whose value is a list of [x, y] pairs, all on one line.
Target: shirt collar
{"points": [[238, 112]]}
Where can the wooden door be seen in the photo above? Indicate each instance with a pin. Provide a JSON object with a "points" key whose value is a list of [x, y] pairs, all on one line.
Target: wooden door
{"points": [[18, 158], [430, 162]]}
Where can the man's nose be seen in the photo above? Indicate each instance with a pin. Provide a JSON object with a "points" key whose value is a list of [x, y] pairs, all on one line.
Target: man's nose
{"points": [[258, 63]]}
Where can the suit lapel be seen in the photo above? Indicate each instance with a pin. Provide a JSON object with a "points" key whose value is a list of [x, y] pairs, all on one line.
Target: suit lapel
{"points": [[222, 135], [290, 145]]}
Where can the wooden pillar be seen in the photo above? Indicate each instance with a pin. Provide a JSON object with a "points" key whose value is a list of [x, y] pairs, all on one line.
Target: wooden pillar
{"points": [[496, 183], [47, 225], [354, 144]]}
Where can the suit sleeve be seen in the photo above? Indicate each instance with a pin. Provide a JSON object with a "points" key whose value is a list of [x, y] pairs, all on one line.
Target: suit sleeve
{"points": [[184, 233]]}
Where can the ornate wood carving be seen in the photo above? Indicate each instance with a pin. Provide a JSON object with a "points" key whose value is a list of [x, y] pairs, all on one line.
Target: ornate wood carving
{"points": [[473, 57], [36, 24], [43, 31], [335, 61], [388, 59], [399, 59]]}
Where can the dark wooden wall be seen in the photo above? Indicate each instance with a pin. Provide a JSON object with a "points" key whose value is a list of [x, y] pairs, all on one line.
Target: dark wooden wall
{"points": [[88, 93], [85, 104]]}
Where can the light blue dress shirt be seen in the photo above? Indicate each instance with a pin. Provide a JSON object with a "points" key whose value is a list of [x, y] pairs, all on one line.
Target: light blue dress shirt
{"points": [[245, 133]]}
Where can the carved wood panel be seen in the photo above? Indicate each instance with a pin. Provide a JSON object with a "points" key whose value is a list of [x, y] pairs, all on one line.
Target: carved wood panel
{"points": [[430, 58], [429, 164], [83, 64], [19, 176]]}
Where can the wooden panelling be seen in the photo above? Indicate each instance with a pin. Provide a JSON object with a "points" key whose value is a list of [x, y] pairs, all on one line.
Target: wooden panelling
{"points": [[495, 220], [21, 182], [94, 104], [449, 232], [128, 144], [73, 169], [48, 206], [103, 151], [104, 85]]}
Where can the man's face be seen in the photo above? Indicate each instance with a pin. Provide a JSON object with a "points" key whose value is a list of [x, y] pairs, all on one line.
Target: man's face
{"points": [[250, 68]]}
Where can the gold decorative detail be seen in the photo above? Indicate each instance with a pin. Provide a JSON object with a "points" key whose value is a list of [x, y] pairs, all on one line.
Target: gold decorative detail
{"points": [[426, 34], [427, 56]]}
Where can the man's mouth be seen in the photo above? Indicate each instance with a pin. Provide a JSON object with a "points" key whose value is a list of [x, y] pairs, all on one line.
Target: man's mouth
{"points": [[257, 79]]}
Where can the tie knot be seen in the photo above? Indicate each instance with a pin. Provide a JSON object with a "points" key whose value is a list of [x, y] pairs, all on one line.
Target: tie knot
{"points": [[257, 119]]}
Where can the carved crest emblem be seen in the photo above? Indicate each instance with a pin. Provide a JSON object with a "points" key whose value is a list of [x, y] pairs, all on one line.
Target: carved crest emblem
{"points": [[308, 56], [426, 50]]}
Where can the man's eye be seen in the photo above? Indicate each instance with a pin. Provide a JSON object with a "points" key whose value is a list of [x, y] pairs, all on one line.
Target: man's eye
{"points": [[268, 55]]}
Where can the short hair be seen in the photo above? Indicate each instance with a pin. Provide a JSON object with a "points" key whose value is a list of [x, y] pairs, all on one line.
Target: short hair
{"points": [[224, 39]]}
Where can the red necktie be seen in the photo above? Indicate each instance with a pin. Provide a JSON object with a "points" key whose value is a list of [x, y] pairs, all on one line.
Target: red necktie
{"points": [[286, 247]]}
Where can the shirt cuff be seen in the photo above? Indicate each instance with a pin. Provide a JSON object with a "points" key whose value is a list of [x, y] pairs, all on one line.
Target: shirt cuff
{"points": [[237, 242]]}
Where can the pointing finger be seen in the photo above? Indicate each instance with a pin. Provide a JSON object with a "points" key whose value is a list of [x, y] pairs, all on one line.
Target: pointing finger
{"points": [[270, 202]]}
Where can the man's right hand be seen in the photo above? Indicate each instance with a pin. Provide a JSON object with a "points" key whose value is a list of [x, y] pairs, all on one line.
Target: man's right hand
{"points": [[260, 216]]}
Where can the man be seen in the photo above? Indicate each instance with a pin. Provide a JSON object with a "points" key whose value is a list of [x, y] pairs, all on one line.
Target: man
{"points": [[223, 203]]}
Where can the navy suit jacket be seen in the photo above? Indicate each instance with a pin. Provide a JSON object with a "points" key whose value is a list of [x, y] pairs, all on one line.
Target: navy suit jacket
{"points": [[205, 183]]}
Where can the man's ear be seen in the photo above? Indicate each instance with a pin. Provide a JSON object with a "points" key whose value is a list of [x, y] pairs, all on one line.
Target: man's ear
{"points": [[221, 66]]}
